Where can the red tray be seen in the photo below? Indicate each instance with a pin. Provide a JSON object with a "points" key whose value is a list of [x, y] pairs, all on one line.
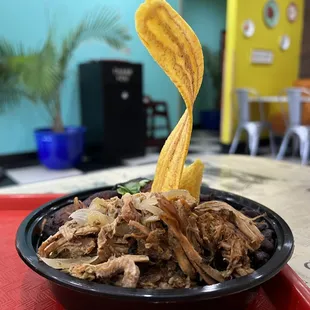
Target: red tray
{"points": [[21, 288]]}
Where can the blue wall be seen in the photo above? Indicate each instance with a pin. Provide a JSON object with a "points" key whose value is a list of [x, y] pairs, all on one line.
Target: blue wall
{"points": [[207, 18], [26, 22]]}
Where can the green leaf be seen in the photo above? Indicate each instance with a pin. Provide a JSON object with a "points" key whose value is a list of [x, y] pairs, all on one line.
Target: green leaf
{"points": [[11, 92], [131, 187], [101, 25], [9, 50], [121, 190], [213, 65], [143, 182]]}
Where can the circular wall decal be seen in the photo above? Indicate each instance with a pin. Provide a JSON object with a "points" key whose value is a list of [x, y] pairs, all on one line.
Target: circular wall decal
{"points": [[285, 42], [292, 12], [248, 28], [271, 13]]}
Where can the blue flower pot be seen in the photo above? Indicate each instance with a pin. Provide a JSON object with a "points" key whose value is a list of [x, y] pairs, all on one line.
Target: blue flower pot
{"points": [[60, 150]]}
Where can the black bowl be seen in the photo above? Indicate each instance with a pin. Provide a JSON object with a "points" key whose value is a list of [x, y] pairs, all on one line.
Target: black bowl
{"points": [[77, 294]]}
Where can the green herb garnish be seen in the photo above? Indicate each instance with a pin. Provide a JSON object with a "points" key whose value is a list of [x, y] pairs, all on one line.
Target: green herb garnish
{"points": [[131, 187]]}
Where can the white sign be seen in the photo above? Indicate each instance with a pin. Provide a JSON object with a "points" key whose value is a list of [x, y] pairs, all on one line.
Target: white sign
{"points": [[122, 74], [262, 57]]}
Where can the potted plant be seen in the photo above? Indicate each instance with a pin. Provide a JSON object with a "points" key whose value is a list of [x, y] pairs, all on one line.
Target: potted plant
{"points": [[39, 74], [210, 113]]}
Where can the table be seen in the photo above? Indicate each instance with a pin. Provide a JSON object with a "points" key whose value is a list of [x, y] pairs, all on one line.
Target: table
{"points": [[275, 99], [281, 186]]}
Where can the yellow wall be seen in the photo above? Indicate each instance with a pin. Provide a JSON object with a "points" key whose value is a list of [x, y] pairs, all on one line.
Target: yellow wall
{"points": [[239, 72]]}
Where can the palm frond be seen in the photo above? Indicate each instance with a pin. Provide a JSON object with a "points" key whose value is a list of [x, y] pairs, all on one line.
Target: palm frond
{"points": [[211, 60], [40, 72], [9, 97], [102, 25], [37, 73], [41, 78], [11, 92], [212, 65], [8, 50]]}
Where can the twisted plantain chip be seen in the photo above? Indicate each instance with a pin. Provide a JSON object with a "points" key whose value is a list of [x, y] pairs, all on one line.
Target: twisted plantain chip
{"points": [[173, 45], [177, 50]]}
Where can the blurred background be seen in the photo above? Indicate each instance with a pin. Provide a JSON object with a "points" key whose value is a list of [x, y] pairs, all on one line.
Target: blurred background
{"points": [[79, 92]]}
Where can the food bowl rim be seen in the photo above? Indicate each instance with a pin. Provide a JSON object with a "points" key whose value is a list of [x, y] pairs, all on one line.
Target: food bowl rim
{"points": [[28, 254]]}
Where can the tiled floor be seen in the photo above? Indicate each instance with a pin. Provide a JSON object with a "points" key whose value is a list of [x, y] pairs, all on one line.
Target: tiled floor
{"points": [[202, 142]]}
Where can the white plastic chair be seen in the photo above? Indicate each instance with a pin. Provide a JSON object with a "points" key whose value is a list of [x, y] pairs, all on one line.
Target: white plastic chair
{"points": [[253, 128], [294, 127]]}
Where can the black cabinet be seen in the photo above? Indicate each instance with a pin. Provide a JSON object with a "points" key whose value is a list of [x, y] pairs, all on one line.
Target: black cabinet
{"points": [[112, 109]]}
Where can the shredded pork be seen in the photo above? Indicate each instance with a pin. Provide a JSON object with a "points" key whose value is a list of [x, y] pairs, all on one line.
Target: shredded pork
{"points": [[157, 240]]}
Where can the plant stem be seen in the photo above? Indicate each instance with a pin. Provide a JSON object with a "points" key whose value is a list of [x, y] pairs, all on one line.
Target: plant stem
{"points": [[57, 120]]}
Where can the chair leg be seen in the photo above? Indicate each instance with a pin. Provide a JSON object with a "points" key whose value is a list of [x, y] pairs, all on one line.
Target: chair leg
{"points": [[305, 152], [254, 142], [235, 141], [272, 143], [303, 136], [284, 144], [301, 148], [296, 145], [304, 140]]}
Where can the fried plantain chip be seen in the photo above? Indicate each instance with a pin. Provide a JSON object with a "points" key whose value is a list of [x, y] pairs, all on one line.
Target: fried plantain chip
{"points": [[192, 178], [173, 45], [176, 48]]}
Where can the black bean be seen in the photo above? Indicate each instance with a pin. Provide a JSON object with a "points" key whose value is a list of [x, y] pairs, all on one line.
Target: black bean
{"points": [[56, 220], [262, 226], [261, 257], [245, 209], [147, 188], [103, 195], [268, 234], [267, 246], [251, 213]]}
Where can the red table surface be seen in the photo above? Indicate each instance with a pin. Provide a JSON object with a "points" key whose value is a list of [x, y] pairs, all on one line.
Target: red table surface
{"points": [[21, 288]]}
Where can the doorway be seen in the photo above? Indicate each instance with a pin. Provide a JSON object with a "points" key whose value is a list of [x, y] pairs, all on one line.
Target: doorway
{"points": [[208, 20]]}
